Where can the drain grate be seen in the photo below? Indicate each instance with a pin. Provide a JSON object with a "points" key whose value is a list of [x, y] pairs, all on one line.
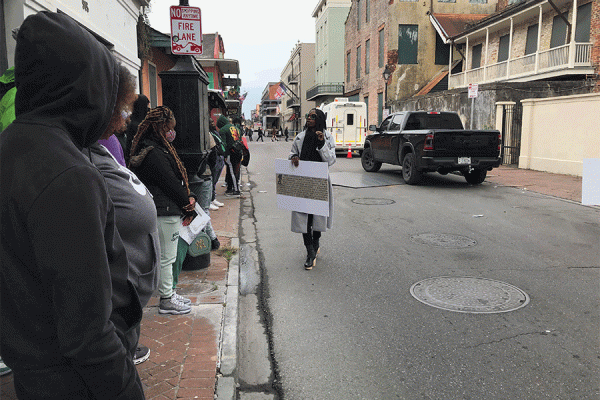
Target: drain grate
{"points": [[373, 202], [469, 295], [446, 240]]}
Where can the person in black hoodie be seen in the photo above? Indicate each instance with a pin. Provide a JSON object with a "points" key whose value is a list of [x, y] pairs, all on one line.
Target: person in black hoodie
{"points": [[141, 106], [66, 301], [156, 163]]}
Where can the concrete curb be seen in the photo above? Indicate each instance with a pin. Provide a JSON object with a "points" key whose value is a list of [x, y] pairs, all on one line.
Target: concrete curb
{"points": [[227, 380]]}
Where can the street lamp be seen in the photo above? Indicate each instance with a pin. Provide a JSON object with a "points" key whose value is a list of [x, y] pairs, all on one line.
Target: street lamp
{"points": [[386, 76]]}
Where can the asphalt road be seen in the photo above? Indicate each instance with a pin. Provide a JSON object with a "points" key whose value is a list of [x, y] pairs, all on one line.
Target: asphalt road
{"points": [[350, 328]]}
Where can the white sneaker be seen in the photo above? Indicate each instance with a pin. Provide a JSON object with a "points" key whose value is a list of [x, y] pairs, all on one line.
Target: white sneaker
{"points": [[217, 203], [213, 207]]}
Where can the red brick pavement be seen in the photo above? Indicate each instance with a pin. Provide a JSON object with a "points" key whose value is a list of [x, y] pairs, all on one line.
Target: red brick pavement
{"points": [[183, 361], [562, 186]]}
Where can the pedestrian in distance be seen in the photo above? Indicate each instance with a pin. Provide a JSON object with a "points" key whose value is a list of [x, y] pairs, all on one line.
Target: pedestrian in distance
{"points": [[249, 133], [260, 135], [274, 134], [67, 337], [286, 133], [314, 143], [155, 161]]}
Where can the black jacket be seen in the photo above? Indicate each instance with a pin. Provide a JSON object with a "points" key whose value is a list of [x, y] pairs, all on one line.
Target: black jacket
{"points": [[158, 170], [66, 300]]}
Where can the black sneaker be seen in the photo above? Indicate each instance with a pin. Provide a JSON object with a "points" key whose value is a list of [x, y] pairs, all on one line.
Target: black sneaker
{"points": [[142, 353], [215, 244], [233, 193]]}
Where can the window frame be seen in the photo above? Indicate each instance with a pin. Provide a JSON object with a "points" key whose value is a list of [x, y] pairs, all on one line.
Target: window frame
{"points": [[367, 56], [408, 57]]}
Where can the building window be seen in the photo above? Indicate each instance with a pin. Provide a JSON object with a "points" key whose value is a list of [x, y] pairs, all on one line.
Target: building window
{"points": [[381, 48], [478, 1], [503, 48], [442, 51], [358, 62], [367, 56], [582, 30], [408, 44], [559, 32], [446, 1], [531, 43], [348, 58], [152, 81], [476, 56], [367, 10], [357, 15]]}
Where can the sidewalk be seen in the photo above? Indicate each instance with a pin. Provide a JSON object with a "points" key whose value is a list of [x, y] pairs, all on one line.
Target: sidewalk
{"points": [[562, 186], [189, 352]]}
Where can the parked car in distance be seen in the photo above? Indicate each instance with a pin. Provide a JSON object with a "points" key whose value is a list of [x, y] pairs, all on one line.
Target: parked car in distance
{"points": [[421, 141]]}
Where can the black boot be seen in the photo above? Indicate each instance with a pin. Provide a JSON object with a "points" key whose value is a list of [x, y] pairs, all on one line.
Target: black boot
{"points": [[316, 246], [310, 257]]}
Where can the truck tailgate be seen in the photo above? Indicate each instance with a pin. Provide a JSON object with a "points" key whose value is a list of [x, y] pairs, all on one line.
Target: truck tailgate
{"points": [[461, 143]]}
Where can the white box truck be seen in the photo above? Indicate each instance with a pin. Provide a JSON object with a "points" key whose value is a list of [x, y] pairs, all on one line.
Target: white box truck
{"points": [[347, 122]]}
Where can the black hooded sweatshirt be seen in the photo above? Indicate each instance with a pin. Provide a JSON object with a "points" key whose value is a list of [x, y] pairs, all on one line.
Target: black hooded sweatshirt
{"points": [[66, 300]]}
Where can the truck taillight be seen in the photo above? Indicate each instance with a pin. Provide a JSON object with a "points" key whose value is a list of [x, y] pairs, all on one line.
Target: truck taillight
{"points": [[428, 142]]}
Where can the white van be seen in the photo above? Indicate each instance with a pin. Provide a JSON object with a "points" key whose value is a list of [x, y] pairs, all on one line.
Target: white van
{"points": [[347, 122]]}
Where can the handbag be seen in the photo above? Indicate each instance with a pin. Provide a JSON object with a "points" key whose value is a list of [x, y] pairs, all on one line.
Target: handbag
{"points": [[200, 245]]}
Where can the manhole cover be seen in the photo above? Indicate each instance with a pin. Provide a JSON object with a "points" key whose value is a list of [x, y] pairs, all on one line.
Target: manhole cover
{"points": [[469, 295], [373, 202], [444, 240]]}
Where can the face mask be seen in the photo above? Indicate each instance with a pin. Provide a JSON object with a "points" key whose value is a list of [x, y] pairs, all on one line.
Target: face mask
{"points": [[170, 135]]}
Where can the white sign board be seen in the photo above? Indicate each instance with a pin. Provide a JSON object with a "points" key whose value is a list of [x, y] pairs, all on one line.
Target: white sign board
{"points": [[473, 89], [186, 30], [590, 184], [304, 188]]}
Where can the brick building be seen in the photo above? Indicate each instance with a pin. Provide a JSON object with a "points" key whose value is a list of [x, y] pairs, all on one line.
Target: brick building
{"points": [[399, 38]]}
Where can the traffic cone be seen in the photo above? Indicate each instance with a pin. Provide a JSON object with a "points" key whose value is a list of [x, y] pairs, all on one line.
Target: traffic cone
{"points": [[349, 152]]}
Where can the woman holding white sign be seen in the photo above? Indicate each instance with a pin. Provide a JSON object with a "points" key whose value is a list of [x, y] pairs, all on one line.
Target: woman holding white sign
{"points": [[315, 144]]}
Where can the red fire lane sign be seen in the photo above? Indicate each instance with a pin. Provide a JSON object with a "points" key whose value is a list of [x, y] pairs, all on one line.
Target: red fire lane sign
{"points": [[186, 30]]}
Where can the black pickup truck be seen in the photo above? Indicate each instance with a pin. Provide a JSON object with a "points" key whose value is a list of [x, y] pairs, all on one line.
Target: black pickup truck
{"points": [[423, 141]]}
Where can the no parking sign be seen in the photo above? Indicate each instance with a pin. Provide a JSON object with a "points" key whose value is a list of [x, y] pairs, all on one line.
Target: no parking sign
{"points": [[186, 30]]}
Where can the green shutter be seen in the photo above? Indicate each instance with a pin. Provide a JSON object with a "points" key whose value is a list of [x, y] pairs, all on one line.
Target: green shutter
{"points": [[408, 44]]}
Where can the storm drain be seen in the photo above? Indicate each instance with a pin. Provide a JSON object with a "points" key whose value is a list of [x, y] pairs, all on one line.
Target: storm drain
{"points": [[469, 295], [446, 240], [373, 202]]}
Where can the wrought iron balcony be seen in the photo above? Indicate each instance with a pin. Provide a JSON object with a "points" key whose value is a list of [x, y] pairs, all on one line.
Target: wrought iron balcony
{"points": [[293, 78], [293, 102], [325, 89]]}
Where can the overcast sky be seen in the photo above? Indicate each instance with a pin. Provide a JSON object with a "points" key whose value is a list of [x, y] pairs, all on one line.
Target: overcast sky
{"points": [[260, 34]]}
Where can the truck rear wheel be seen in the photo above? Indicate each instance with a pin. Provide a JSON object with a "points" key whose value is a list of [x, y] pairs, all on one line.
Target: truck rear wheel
{"points": [[410, 174], [476, 176], [368, 162]]}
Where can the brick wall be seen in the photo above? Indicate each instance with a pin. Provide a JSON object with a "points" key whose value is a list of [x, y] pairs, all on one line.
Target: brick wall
{"points": [[371, 84], [595, 39]]}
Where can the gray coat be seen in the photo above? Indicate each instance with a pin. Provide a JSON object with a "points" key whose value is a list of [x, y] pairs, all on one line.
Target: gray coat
{"points": [[300, 219]]}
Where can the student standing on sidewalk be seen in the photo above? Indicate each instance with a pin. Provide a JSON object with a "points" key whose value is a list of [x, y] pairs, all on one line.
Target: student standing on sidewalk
{"points": [[216, 161], [233, 157], [135, 213], [67, 303], [314, 143], [155, 161]]}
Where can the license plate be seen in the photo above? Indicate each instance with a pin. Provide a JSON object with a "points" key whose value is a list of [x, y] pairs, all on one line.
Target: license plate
{"points": [[464, 160]]}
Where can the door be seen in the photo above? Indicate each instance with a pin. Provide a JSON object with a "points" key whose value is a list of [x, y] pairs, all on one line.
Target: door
{"points": [[381, 141], [350, 131]]}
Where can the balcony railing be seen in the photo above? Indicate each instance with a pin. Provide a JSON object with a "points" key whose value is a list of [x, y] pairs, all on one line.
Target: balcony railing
{"points": [[325, 89], [293, 78], [293, 102], [559, 58]]}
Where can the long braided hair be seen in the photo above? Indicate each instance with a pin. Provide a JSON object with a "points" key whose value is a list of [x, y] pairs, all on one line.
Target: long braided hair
{"points": [[153, 126]]}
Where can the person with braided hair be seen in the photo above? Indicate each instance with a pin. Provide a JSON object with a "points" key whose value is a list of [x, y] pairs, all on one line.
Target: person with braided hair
{"points": [[156, 163]]}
